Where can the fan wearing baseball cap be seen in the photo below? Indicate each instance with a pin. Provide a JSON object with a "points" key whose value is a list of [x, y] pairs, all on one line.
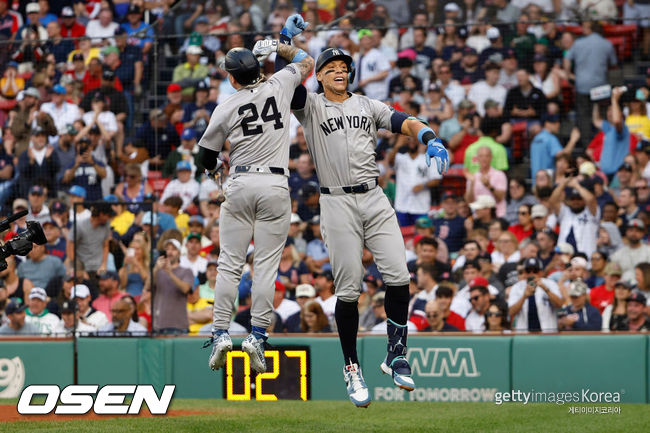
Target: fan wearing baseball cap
{"points": [[188, 151], [184, 186], [533, 300], [636, 251], [637, 317], [580, 315], [37, 314]]}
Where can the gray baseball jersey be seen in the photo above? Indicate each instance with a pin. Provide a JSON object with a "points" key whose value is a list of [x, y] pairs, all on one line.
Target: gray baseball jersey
{"points": [[256, 122], [342, 138]]}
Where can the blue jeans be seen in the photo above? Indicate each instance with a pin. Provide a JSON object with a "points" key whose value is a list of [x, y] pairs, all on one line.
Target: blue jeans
{"points": [[408, 219]]}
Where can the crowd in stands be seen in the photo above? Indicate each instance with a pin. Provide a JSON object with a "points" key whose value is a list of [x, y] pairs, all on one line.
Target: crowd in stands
{"points": [[540, 225]]}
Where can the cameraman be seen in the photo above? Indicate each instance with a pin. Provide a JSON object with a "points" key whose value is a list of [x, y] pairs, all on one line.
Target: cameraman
{"points": [[86, 171], [532, 301]]}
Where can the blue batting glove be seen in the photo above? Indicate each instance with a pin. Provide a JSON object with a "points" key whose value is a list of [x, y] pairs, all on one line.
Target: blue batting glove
{"points": [[294, 26], [437, 151]]}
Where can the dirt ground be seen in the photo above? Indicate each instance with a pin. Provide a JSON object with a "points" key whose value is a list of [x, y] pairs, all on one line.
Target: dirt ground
{"points": [[9, 413]]}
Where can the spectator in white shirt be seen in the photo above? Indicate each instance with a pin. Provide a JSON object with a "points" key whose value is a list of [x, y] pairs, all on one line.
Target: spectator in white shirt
{"points": [[579, 218], [102, 28], [532, 301], [373, 68], [183, 186], [63, 113], [38, 314], [479, 296], [192, 260], [87, 315], [488, 89], [324, 285], [414, 181]]}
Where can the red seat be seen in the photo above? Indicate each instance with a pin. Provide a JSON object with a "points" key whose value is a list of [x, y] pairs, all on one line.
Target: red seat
{"points": [[627, 32], [568, 96], [619, 46], [519, 140], [576, 30], [454, 181]]}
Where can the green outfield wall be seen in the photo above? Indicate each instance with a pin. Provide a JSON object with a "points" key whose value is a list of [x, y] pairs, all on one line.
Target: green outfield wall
{"points": [[463, 368]]}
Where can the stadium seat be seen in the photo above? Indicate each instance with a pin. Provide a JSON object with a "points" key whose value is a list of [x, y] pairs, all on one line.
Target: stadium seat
{"points": [[627, 32], [454, 181], [568, 96], [519, 140], [619, 46], [576, 30], [408, 232]]}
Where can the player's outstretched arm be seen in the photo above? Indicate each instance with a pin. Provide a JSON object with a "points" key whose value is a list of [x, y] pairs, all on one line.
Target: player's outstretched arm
{"points": [[435, 149]]}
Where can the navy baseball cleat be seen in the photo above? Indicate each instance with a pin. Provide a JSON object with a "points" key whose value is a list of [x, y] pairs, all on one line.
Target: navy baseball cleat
{"points": [[221, 345], [395, 363], [357, 388]]}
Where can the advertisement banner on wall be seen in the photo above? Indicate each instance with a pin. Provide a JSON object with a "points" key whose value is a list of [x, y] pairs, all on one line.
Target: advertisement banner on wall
{"points": [[444, 369]]}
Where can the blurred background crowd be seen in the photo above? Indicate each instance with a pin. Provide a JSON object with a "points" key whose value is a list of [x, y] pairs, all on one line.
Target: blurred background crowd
{"points": [[540, 224]]}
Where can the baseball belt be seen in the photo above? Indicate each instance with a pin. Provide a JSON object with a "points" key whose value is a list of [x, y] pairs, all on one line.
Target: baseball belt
{"points": [[355, 189], [261, 169]]}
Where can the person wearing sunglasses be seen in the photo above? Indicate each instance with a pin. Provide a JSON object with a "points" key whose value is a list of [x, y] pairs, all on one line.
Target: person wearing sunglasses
{"points": [[435, 317], [496, 318], [479, 297], [532, 300]]}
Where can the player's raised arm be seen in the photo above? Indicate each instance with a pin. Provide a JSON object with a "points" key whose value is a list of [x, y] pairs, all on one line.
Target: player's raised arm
{"points": [[301, 59]]}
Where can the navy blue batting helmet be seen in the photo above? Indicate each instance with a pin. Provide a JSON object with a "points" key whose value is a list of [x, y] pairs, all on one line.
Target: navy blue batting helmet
{"points": [[242, 65], [336, 54]]}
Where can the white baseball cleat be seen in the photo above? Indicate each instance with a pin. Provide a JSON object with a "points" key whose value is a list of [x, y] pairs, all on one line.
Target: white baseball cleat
{"points": [[357, 388], [255, 349], [221, 345]]}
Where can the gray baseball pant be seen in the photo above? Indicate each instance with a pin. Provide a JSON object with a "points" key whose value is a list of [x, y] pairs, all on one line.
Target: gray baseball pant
{"points": [[351, 221], [257, 207]]}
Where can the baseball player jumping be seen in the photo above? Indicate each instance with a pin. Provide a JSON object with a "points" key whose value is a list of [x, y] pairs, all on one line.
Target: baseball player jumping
{"points": [[256, 122], [341, 133]]}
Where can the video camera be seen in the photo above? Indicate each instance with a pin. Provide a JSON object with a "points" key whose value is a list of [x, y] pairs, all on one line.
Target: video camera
{"points": [[20, 245]]}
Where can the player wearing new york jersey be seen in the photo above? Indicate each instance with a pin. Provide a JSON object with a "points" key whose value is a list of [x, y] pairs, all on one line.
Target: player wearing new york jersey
{"points": [[255, 120]]}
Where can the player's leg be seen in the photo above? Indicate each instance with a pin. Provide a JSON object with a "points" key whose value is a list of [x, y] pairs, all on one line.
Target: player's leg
{"points": [[237, 215], [384, 240], [273, 206], [341, 228]]}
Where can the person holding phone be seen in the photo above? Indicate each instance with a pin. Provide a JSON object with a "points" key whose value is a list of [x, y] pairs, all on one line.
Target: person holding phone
{"points": [[532, 301]]}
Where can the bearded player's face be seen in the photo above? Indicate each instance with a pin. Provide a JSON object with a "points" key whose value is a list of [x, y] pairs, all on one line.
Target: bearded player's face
{"points": [[334, 76]]}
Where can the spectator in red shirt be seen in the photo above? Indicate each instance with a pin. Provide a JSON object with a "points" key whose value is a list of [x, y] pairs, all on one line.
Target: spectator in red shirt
{"points": [[444, 295], [8, 22], [96, 74], [70, 27], [602, 296], [525, 227]]}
